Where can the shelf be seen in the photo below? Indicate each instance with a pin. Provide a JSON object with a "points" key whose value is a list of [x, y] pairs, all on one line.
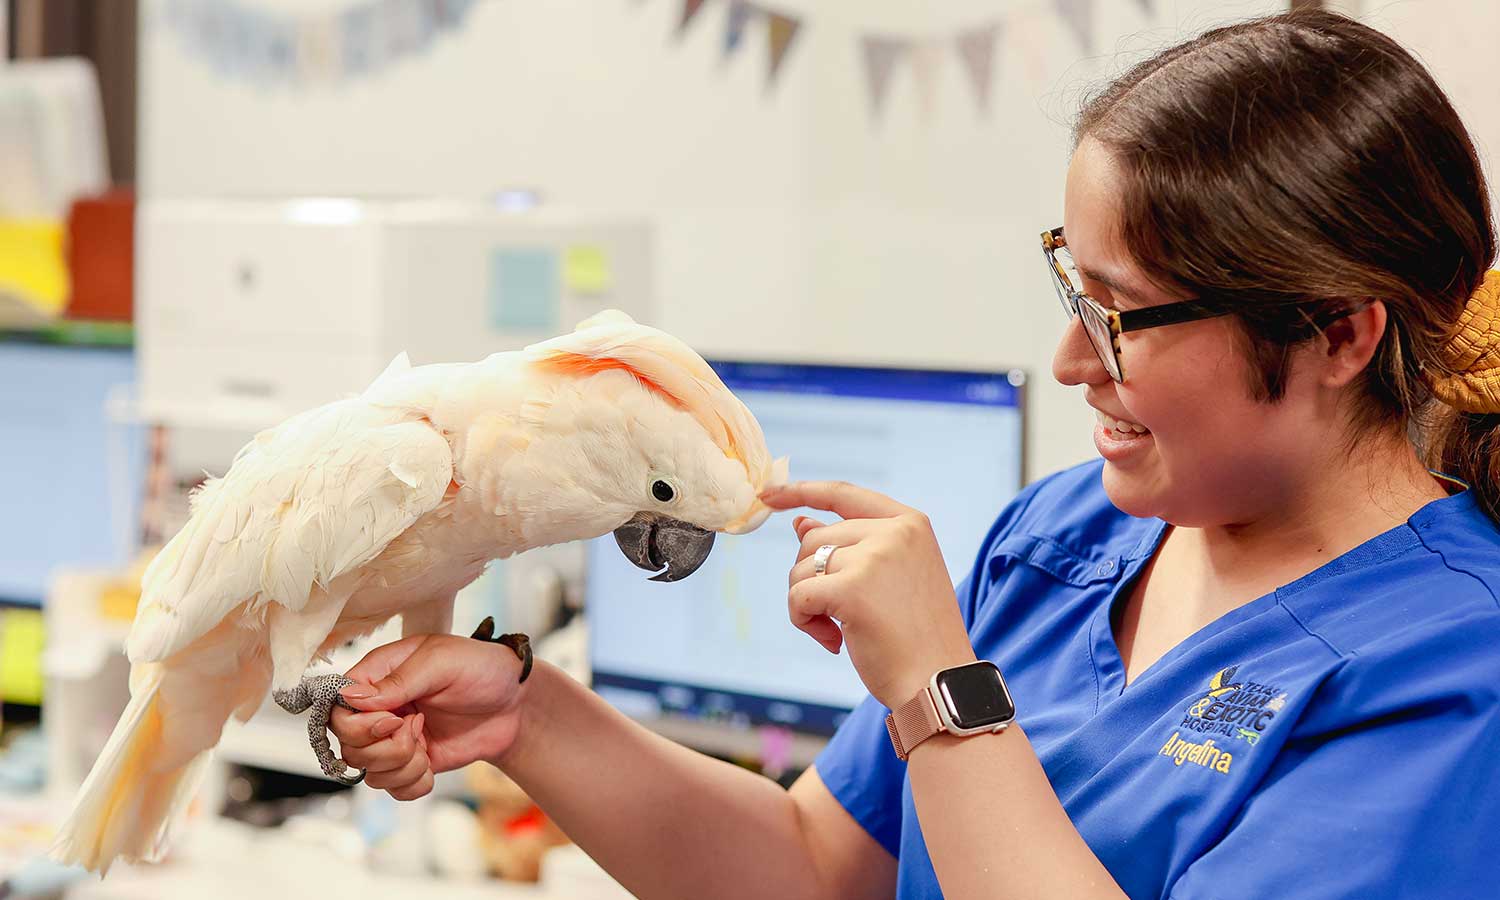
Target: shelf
{"points": [[74, 333]]}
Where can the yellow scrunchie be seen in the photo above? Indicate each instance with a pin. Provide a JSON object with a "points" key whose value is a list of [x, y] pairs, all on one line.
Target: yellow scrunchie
{"points": [[1472, 354]]}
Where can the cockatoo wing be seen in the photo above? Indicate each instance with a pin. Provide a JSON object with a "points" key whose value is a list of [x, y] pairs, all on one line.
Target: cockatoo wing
{"points": [[308, 501]]}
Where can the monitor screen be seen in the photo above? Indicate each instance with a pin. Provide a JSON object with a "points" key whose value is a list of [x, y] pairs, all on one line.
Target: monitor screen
{"points": [[76, 468], [718, 645]]}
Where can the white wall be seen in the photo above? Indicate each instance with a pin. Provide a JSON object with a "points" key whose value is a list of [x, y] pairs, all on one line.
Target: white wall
{"points": [[1456, 40], [790, 224]]}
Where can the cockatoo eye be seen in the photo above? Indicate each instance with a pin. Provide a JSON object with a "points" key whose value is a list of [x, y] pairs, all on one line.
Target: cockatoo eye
{"points": [[663, 490]]}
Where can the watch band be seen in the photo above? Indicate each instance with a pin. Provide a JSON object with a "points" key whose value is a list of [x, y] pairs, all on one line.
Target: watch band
{"points": [[916, 721]]}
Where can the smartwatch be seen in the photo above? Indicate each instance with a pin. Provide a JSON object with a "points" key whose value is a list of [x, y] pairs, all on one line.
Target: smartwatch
{"points": [[962, 701]]}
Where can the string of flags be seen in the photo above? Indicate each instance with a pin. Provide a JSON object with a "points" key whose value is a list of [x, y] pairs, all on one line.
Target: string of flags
{"points": [[883, 54], [781, 30], [242, 40]]}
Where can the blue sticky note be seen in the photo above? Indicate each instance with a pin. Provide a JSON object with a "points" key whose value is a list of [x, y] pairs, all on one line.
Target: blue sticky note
{"points": [[523, 290]]}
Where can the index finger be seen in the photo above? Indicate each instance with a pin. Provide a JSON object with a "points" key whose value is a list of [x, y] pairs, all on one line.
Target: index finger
{"points": [[847, 500], [384, 659]]}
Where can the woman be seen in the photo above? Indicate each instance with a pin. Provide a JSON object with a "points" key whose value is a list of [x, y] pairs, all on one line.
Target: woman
{"points": [[1253, 650]]}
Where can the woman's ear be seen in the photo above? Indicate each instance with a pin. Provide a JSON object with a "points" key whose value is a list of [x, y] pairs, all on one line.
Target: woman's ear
{"points": [[1350, 342]]}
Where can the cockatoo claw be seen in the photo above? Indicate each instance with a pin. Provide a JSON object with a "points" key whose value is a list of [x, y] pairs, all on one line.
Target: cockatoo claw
{"points": [[519, 644], [320, 693]]}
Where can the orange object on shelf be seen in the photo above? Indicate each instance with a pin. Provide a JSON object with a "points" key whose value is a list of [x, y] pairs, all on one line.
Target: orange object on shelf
{"points": [[101, 256]]}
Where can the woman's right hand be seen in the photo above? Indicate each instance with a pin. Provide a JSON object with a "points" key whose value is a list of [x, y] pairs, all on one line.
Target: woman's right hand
{"points": [[428, 703]]}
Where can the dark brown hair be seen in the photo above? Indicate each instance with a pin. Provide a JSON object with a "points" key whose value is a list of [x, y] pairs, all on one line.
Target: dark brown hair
{"points": [[1305, 161]]}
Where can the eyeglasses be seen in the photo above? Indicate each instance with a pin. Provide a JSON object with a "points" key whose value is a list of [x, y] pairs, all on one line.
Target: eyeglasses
{"points": [[1104, 326]]}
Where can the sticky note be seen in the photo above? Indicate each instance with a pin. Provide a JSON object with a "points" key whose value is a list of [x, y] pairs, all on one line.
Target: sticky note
{"points": [[586, 269], [524, 290]]}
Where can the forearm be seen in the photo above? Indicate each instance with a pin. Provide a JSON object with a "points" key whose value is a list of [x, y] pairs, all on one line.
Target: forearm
{"points": [[994, 828], [666, 821]]}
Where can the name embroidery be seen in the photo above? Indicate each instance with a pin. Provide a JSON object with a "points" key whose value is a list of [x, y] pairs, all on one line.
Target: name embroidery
{"points": [[1205, 754]]}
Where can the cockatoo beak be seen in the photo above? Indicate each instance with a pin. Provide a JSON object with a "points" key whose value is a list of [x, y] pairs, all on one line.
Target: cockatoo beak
{"points": [[671, 548]]}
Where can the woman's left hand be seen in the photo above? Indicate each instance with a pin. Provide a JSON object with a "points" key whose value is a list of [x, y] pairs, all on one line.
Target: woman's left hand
{"points": [[886, 591]]}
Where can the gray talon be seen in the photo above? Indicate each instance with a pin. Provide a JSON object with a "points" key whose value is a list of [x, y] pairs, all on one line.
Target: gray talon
{"points": [[320, 693]]}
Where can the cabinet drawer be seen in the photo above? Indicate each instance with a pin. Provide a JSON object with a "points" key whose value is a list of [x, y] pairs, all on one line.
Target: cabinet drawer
{"points": [[241, 385]]}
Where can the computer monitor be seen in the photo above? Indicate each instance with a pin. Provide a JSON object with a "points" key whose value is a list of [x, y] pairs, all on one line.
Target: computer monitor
{"points": [[718, 645], [76, 466]]}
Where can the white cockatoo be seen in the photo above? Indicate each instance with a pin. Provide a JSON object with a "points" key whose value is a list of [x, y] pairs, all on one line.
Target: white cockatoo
{"points": [[387, 504]]}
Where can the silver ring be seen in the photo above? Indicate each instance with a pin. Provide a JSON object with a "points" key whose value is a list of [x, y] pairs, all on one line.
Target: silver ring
{"points": [[820, 558]]}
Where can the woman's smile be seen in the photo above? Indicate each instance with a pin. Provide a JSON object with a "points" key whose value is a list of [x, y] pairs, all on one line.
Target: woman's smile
{"points": [[1119, 439]]}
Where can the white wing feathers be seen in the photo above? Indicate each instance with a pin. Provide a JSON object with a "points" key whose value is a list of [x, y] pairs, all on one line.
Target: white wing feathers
{"points": [[312, 499]]}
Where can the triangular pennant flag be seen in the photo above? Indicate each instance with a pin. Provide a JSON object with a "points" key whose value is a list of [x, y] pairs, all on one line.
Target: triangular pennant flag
{"points": [[1079, 14], [924, 63], [690, 9], [281, 50], [976, 48], [450, 13], [317, 50], [404, 24], [361, 42], [881, 56], [734, 27], [781, 31]]}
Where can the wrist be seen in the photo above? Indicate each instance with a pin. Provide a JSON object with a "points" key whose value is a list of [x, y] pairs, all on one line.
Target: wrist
{"points": [[525, 710], [918, 676], [963, 701]]}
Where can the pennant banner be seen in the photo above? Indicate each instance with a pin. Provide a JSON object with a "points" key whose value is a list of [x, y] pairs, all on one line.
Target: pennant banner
{"points": [[1078, 15], [690, 10], [881, 55], [781, 30], [240, 40], [740, 12], [976, 50]]}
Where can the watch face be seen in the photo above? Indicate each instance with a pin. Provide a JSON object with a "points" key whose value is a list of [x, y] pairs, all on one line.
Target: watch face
{"points": [[976, 694]]}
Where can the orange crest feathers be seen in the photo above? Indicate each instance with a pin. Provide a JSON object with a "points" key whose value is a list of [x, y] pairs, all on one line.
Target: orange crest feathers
{"points": [[668, 368], [560, 362]]}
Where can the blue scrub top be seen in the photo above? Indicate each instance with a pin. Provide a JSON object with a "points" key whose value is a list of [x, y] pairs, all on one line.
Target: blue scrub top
{"points": [[1339, 737]]}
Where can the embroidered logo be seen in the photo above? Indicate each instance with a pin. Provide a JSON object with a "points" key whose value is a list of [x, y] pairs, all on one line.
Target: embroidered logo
{"points": [[1239, 711]]}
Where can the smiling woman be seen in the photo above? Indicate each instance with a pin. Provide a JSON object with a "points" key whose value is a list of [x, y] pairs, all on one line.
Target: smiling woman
{"points": [[1274, 282]]}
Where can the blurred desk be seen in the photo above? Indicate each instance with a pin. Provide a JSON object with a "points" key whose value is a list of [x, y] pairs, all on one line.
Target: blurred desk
{"points": [[225, 860]]}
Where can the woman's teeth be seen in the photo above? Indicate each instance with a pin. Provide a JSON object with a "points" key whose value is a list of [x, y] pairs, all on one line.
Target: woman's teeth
{"points": [[1120, 426]]}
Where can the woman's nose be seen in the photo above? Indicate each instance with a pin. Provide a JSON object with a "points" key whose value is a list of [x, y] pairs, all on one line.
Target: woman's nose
{"points": [[1075, 361]]}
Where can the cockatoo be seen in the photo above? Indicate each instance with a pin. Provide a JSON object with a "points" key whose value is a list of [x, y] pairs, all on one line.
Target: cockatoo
{"points": [[387, 503]]}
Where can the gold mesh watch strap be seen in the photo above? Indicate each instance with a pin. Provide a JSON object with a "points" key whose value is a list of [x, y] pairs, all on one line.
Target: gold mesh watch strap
{"points": [[916, 721]]}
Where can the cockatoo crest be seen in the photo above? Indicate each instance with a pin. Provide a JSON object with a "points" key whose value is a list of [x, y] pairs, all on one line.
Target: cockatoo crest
{"points": [[666, 366]]}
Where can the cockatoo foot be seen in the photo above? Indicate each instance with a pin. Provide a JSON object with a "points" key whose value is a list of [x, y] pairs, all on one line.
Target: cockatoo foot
{"points": [[320, 693], [519, 644]]}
